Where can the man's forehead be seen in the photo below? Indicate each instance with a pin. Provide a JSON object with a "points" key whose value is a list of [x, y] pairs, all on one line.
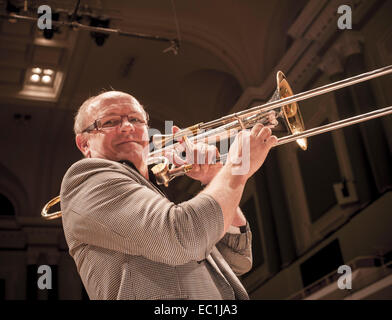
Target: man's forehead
{"points": [[103, 104]]}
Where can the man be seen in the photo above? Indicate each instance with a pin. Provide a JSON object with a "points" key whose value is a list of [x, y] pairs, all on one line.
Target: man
{"points": [[127, 239]]}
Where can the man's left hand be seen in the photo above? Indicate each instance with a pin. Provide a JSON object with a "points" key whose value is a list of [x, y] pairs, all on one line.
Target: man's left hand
{"points": [[201, 156]]}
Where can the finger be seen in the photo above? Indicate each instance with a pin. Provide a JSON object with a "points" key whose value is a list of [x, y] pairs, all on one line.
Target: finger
{"points": [[174, 158], [211, 155], [201, 152], [271, 126], [204, 168], [264, 134], [189, 150], [240, 138], [271, 141], [256, 129], [272, 119]]}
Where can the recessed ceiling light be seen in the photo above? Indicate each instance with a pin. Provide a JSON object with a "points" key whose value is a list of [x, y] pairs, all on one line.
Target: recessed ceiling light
{"points": [[37, 70], [46, 79], [49, 72], [35, 77]]}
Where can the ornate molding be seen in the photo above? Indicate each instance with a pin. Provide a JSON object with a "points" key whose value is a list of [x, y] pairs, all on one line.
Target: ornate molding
{"points": [[312, 31], [325, 24], [305, 19], [331, 63]]}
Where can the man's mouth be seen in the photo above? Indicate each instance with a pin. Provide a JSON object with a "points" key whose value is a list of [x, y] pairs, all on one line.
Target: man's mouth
{"points": [[127, 141]]}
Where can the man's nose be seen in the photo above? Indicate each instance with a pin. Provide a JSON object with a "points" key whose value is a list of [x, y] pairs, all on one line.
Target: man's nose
{"points": [[126, 125]]}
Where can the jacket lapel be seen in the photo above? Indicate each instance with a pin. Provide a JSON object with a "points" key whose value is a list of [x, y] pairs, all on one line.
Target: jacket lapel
{"points": [[223, 269]]}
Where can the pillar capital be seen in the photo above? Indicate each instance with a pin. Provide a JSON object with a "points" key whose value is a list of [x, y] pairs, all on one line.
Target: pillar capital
{"points": [[39, 255], [349, 43], [331, 63]]}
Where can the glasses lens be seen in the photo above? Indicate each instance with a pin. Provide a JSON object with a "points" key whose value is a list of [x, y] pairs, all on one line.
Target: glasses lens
{"points": [[110, 122], [114, 121], [135, 121]]}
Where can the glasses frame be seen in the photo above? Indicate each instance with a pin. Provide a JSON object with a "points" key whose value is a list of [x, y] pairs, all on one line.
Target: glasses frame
{"points": [[98, 126]]}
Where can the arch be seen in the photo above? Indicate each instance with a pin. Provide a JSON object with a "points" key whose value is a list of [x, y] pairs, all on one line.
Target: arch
{"points": [[12, 188], [238, 46], [6, 206], [220, 91]]}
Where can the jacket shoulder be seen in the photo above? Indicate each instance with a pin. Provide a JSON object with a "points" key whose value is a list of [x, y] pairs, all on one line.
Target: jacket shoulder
{"points": [[93, 165], [83, 169]]}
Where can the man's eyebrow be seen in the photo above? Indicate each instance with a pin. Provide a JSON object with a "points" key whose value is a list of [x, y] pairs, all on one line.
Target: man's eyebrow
{"points": [[116, 114]]}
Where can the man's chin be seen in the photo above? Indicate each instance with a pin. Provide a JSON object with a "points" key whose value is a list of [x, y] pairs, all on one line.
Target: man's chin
{"points": [[131, 143], [130, 149], [129, 146]]}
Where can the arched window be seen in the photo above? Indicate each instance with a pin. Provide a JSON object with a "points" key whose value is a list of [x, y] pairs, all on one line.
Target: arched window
{"points": [[6, 206]]}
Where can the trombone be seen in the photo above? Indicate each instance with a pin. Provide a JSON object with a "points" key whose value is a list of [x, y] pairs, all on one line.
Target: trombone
{"points": [[283, 100]]}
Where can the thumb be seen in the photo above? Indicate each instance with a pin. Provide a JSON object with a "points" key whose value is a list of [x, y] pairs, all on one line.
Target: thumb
{"points": [[175, 129]]}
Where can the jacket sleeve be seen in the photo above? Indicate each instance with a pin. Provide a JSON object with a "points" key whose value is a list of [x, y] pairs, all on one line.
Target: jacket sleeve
{"points": [[103, 206], [237, 250]]}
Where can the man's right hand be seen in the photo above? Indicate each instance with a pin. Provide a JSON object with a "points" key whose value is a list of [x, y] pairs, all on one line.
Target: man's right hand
{"points": [[249, 150], [228, 185]]}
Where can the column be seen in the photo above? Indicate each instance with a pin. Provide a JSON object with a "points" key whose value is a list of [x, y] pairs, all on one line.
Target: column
{"points": [[332, 66], [280, 212], [372, 132]]}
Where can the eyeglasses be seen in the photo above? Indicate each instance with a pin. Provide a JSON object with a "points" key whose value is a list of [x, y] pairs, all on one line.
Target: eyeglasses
{"points": [[110, 122]]}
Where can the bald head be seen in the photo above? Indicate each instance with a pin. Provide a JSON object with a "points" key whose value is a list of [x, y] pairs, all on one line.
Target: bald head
{"points": [[87, 111]]}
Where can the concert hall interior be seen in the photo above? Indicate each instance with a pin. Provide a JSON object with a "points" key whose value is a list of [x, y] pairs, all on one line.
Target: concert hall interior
{"points": [[193, 61]]}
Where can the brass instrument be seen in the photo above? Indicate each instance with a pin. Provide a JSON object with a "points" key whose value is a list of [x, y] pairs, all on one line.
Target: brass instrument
{"points": [[54, 215], [287, 108]]}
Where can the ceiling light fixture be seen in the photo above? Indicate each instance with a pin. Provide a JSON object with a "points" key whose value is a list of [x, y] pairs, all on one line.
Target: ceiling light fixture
{"points": [[48, 72], [41, 76], [46, 79], [34, 77], [98, 36], [36, 70]]}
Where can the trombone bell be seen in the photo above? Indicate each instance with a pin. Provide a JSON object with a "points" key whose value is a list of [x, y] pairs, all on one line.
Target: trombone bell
{"points": [[45, 210], [291, 111]]}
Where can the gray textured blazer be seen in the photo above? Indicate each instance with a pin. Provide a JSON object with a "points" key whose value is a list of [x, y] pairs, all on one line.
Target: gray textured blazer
{"points": [[130, 242]]}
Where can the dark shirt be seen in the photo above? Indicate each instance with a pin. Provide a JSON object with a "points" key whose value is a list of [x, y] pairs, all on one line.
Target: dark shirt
{"points": [[151, 176]]}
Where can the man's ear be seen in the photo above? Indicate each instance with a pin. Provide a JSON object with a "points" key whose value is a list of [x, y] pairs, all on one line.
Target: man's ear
{"points": [[83, 144]]}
